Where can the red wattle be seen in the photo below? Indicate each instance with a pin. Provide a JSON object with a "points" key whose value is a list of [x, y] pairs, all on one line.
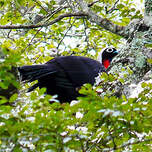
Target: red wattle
{"points": [[106, 63]]}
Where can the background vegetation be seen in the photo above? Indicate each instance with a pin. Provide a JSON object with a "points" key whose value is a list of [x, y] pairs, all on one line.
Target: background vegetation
{"points": [[114, 115]]}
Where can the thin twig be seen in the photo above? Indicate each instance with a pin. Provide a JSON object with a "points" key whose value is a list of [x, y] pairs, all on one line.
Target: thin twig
{"points": [[113, 8], [85, 28], [41, 6], [91, 4], [125, 145], [30, 43], [65, 34]]}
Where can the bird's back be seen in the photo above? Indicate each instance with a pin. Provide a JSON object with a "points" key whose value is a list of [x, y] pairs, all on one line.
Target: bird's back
{"points": [[78, 69]]}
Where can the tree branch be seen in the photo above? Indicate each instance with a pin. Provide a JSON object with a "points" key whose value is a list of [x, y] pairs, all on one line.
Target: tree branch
{"points": [[125, 32], [81, 14], [103, 22]]}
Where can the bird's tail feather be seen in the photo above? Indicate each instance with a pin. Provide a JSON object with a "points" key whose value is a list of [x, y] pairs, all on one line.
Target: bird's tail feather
{"points": [[34, 72]]}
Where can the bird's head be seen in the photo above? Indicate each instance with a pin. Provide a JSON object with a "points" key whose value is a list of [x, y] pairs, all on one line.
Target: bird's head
{"points": [[107, 55]]}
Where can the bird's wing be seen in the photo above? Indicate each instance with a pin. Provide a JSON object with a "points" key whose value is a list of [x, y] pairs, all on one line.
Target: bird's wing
{"points": [[63, 81], [79, 70]]}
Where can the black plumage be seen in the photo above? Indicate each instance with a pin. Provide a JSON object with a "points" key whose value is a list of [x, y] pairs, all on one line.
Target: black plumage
{"points": [[64, 75]]}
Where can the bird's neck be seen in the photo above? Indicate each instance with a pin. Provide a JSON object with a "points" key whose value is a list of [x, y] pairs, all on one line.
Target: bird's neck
{"points": [[106, 63]]}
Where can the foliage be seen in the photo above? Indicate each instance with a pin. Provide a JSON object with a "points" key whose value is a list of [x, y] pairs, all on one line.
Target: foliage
{"points": [[93, 124], [99, 121]]}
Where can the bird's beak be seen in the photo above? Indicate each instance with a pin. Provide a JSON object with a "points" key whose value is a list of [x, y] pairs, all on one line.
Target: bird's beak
{"points": [[116, 52]]}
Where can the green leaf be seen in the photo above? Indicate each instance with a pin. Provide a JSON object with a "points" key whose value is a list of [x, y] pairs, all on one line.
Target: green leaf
{"points": [[143, 85], [13, 97], [120, 6], [148, 45], [42, 91], [149, 61]]}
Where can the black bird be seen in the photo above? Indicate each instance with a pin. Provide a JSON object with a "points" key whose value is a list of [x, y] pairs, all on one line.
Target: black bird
{"points": [[65, 74]]}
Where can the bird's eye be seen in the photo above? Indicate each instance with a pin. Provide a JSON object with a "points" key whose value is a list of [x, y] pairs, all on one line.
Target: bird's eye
{"points": [[110, 50]]}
